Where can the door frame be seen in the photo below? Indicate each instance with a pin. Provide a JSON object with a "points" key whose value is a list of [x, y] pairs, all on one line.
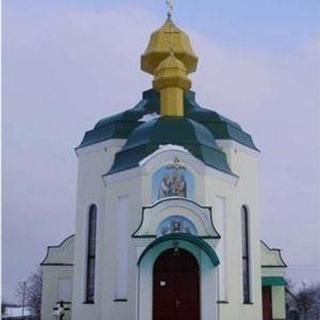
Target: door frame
{"points": [[208, 280]]}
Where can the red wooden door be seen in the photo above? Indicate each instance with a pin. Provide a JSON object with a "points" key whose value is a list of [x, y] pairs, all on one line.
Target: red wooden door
{"points": [[176, 286], [267, 303]]}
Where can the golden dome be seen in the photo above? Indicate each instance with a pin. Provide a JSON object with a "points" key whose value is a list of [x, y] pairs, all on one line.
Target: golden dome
{"points": [[164, 40], [170, 63], [171, 72]]}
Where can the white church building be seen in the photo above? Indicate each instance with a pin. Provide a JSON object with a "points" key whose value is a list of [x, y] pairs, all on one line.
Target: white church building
{"points": [[167, 212]]}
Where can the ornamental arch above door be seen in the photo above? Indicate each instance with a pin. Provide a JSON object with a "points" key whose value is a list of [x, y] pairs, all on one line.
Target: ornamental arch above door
{"points": [[190, 216], [198, 257]]}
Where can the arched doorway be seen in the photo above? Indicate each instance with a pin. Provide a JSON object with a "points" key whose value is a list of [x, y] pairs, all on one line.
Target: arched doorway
{"points": [[176, 286]]}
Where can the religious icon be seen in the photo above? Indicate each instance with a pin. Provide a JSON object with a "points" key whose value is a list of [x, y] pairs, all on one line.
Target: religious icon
{"points": [[173, 180], [176, 224], [174, 183], [165, 189], [173, 186], [179, 186]]}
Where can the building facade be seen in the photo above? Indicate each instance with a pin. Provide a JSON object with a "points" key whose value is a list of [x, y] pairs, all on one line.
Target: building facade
{"points": [[167, 213]]}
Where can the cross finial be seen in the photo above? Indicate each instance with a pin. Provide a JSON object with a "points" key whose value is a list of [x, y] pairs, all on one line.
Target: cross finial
{"points": [[170, 8]]}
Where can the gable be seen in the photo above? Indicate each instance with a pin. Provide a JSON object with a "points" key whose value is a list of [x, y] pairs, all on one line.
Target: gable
{"points": [[271, 257], [61, 254]]}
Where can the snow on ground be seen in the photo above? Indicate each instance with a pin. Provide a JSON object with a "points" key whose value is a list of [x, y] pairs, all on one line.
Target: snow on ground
{"points": [[16, 312]]}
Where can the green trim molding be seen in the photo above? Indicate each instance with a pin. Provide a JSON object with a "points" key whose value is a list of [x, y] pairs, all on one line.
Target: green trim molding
{"points": [[183, 237], [273, 281]]}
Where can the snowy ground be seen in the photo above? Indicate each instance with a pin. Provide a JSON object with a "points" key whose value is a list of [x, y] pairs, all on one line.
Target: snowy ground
{"points": [[16, 312]]}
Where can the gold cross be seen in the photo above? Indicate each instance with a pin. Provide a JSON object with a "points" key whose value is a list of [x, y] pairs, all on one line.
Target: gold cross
{"points": [[176, 165], [170, 7]]}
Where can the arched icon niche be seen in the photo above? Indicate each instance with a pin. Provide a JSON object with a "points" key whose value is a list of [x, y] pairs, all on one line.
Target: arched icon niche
{"points": [[172, 180], [176, 224]]}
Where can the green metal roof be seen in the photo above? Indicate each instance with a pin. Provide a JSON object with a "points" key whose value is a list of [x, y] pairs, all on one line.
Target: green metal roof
{"points": [[221, 127], [273, 281], [181, 131], [196, 132], [119, 126], [204, 246]]}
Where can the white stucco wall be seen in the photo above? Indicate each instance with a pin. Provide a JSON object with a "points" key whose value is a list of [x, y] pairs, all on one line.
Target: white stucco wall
{"points": [[57, 270], [93, 162], [278, 303], [50, 289], [245, 191]]}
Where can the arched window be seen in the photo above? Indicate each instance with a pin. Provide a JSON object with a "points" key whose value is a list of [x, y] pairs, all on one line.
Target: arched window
{"points": [[245, 255], [91, 261]]}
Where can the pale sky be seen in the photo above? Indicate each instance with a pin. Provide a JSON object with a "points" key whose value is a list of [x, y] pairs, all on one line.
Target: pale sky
{"points": [[67, 64]]}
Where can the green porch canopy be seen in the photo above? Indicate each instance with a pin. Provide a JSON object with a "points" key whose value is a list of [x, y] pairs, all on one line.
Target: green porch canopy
{"points": [[174, 237], [273, 281]]}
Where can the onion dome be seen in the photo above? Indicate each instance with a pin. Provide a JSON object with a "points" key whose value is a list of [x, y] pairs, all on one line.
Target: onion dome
{"points": [[148, 137], [164, 40], [171, 72], [171, 81]]}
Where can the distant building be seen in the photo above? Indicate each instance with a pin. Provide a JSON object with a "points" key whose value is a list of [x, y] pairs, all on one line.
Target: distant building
{"points": [[17, 312], [167, 213]]}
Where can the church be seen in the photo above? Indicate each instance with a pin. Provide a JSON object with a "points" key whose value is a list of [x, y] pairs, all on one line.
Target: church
{"points": [[167, 211]]}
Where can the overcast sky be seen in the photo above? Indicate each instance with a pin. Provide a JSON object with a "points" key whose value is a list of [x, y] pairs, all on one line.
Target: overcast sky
{"points": [[68, 63]]}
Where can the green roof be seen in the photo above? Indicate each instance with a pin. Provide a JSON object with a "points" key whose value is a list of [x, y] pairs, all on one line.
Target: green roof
{"points": [[181, 131], [196, 132], [273, 281], [221, 127], [119, 126], [175, 237]]}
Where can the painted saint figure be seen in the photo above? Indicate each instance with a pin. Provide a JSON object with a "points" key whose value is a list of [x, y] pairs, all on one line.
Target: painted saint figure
{"points": [[173, 180], [173, 185], [165, 187], [180, 186]]}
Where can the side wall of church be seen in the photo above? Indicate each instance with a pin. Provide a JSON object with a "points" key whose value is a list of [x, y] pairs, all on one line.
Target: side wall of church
{"points": [[51, 291], [226, 202], [93, 162], [124, 199]]}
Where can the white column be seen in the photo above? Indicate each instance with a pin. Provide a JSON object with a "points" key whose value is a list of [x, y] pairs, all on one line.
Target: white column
{"points": [[121, 246], [208, 291], [219, 213]]}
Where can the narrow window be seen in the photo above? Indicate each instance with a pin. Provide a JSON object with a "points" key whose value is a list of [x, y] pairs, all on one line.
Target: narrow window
{"points": [[245, 255], [91, 262]]}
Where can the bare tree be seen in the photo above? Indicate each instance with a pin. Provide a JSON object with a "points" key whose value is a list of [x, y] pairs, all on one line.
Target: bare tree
{"points": [[29, 292], [3, 308], [308, 301]]}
